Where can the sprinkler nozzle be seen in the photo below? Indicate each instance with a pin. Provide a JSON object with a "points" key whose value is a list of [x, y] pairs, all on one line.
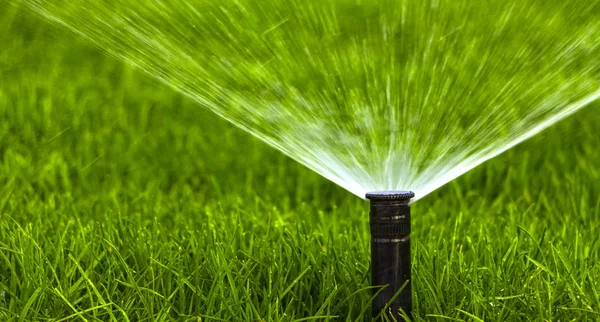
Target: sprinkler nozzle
{"points": [[390, 251]]}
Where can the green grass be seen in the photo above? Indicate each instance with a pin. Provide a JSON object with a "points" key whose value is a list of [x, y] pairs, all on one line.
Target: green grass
{"points": [[121, 200]]}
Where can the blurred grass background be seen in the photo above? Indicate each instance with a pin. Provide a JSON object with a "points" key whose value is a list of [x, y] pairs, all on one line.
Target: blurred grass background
{"points": [[121, 200]]}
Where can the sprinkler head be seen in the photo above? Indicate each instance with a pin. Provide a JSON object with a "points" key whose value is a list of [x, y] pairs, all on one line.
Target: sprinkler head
{"points": [[390, 251], [390, 195]]}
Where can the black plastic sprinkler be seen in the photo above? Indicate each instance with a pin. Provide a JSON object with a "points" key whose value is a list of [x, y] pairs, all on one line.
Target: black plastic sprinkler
{"points": [[390, 251]]}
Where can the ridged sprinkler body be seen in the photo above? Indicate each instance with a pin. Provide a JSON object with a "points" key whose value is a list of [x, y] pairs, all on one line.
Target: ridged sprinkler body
{"points": [[390, 251]]}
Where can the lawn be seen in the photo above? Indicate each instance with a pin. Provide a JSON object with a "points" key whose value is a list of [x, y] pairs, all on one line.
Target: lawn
{"points": [[121, 200]]}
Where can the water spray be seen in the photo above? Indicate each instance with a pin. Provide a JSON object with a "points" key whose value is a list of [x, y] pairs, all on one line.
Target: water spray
{"points": [[390, 251]]}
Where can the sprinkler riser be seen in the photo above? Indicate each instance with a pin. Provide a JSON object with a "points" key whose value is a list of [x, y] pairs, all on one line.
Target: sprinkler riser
{"points": [[390, 252]]}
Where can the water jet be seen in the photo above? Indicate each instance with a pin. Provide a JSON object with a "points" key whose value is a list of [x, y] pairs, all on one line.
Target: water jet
{"points": [[390, 251], [372, 96]]}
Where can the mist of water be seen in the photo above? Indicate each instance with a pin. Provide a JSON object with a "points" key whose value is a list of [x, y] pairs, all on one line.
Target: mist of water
{"points": [[373, 94]]}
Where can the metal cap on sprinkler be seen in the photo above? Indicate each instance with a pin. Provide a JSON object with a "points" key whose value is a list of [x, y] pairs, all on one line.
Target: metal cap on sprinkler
{"points": [[390, 251]]}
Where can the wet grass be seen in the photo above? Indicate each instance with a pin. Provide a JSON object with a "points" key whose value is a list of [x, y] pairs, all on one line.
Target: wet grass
{"points": [[120, 200]]}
